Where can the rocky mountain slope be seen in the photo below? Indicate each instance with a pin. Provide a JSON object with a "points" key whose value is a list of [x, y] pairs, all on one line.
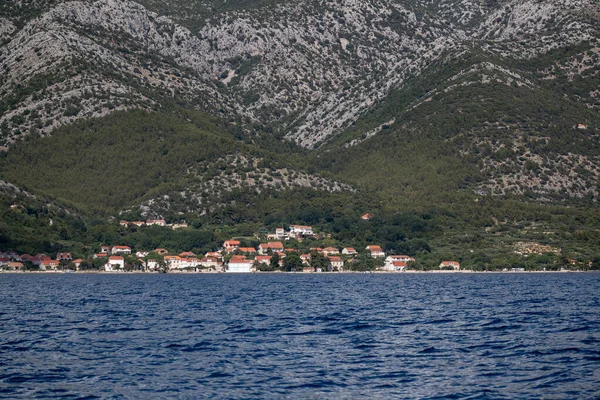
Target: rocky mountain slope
{"points": [[505, 82]]}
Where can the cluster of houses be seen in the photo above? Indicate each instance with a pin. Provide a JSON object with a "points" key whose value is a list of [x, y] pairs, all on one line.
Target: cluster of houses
{"points": [[231, 257], [152, 222], [14, 261]]}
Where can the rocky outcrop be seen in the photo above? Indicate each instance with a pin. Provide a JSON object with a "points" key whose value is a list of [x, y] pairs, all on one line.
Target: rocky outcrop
{"points": [[306, 69]]}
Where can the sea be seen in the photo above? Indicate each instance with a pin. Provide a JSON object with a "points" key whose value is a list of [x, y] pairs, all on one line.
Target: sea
{"points": [[300, 336]]}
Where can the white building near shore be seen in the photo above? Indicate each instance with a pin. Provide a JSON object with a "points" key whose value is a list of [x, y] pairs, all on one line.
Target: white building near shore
{"points": [[239, 265]]}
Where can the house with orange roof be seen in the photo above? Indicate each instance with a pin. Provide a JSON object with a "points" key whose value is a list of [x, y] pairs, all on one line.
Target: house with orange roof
{"points": [[397, 262], [175, 262], [120, 250], [100, 255], [376, 251], [231, 245], [366, 216], [264, 248], [138, 223], [330, 250], [239, 264], [454, 264], [160, 251], [263, 259], [48, 264], [214, 254], [247, 250], [114, 263], [64, 257], [187, 254], [403, 258], [348, 251], [394, 266], [209, 262], [336, 263], [14, 266], [123, 223]]}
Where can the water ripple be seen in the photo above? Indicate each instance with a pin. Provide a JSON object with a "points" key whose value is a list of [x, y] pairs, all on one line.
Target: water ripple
{"points": [[262, 337]]}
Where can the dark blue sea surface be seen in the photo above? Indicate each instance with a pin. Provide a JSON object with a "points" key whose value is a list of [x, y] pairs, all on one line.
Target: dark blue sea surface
{"points": [[288, 336]]}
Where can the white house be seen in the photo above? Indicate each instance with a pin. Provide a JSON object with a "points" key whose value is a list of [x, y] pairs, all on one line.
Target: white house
{"points": [[159, 222], [114, 263], [209, 262], [348, 251], [152, 265], [336, 263], [239, 265], [402, 258], [375, 251], [120, 250], [175, 262], [394, 266], [263, 248], [301, 230]]}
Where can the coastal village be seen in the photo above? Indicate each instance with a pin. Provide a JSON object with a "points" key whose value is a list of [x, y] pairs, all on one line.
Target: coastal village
{"points": [[271, 254]]}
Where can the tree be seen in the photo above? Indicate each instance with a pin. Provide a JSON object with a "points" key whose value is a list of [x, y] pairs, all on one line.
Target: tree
{"points": [[292, 262], [274, 264], [319, 261]]}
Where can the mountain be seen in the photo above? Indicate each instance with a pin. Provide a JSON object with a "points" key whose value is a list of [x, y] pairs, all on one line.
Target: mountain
{"points": [[265, 107]]}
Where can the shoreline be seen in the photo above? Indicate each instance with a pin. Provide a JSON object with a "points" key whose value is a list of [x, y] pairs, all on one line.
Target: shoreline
{"points": [[412, 272]]}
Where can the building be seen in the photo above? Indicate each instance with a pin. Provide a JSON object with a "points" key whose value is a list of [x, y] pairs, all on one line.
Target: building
{"points": [[14, 266], [114, 263], [454, 264], [231, 245], [301, 231], [390, 260], [209, 262], [120, 250], [348, 251], [239, 264], [336, 263], [266, 260], [123, 223], [264, 248], [366, 216], [330, 250], [64, 257], [394, 266], [376, 251], [175, 262], [158, 222], [48, 264]]}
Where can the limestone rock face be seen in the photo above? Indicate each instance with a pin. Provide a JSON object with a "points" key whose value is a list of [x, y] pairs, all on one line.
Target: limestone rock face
{"points": [[308, 69]]}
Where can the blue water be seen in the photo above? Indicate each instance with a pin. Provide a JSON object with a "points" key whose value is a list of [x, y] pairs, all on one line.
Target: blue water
{"points": [[317, 336]]}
